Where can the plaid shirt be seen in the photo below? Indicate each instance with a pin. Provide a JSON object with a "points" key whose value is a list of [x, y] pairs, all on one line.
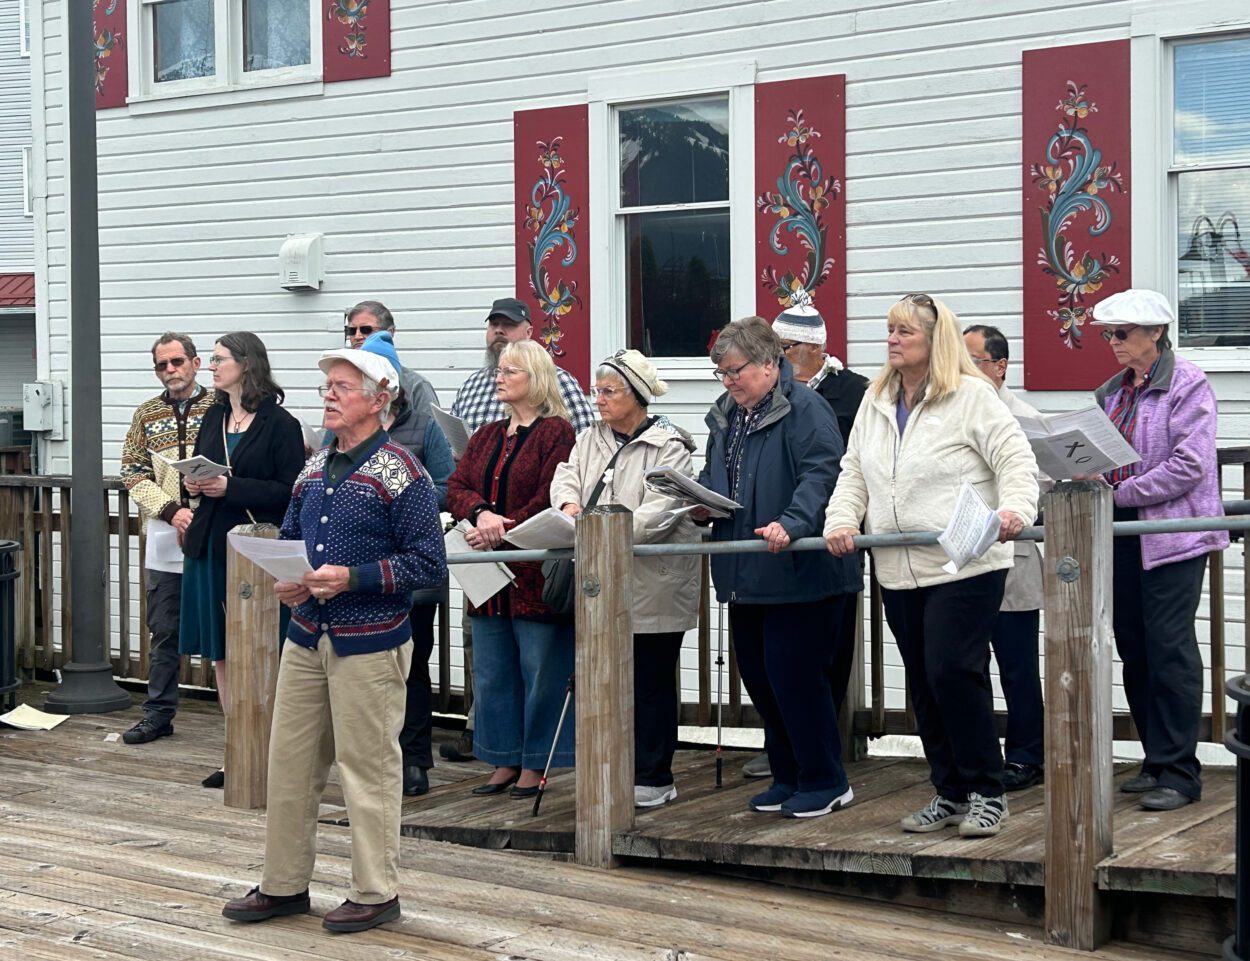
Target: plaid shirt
{"points": [[1124, 416], [478, 404]]}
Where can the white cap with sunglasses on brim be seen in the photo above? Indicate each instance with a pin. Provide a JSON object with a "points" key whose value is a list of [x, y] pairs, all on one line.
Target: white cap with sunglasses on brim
{"points": [[373, 366], [1141, 308]]}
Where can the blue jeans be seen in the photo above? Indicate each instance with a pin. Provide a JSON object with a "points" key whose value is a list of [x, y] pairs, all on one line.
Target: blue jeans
{"points": [[520, 671]]}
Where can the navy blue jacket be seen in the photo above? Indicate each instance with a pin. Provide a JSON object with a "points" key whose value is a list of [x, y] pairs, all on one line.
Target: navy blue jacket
{"points": [[789, 468]]}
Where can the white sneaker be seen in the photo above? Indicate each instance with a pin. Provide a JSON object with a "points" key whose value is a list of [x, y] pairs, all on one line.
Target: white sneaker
{"points": [[935, 815], [985, 816], [653, 797]]}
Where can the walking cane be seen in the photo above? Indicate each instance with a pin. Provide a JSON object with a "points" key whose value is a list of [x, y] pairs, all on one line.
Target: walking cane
{"points": [[542, 784], [720, 677]]}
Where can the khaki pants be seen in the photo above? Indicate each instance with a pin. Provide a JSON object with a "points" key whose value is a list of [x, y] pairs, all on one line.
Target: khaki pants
{"points": [[345, 709]]}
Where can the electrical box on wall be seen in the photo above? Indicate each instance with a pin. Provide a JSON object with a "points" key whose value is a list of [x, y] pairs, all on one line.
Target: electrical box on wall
{"points": [[43, 408], [299, 262]]}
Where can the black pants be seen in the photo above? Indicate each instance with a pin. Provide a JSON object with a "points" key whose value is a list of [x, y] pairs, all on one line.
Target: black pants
{"points": [[1153, 620], [943, 635], [1015, 649], [414, 738], [786, 654], [655, 707]]}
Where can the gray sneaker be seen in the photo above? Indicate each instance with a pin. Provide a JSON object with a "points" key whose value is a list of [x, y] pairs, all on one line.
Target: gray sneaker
{"points": [[758, 766], [935, 815], [985, 816], [646, 796]]}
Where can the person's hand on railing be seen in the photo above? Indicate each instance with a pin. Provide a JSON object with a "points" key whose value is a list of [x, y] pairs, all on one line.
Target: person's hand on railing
{"points": [[841, 540], [489, 531], [291, 593], [572, 509], [327, 581], [1011, 526], [775, 534]]}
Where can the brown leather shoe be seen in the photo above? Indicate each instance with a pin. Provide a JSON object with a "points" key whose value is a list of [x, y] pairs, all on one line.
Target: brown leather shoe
{"points": [[258, 906], [350, 916]]}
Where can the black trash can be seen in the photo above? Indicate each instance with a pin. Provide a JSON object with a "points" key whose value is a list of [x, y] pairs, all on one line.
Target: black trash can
{"points": [[9, 681]]}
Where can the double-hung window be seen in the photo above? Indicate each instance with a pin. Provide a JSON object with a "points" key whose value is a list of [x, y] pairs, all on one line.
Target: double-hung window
{"points": [[1210, 184], [198, 45]]}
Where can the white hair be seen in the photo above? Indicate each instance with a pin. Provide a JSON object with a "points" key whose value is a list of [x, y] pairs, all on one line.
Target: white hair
{"points": [[372, 388]]}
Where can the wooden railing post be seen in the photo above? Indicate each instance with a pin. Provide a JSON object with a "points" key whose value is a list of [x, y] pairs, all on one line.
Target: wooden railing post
{"points": [[252, 663], [605, 681], [1078, 710]]}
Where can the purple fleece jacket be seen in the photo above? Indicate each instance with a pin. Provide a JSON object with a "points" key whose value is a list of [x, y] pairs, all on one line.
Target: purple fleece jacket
{"points": [[1178, 475]]}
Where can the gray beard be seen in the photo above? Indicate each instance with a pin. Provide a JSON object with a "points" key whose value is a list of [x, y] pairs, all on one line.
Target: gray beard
{"points": [[492, 358]]}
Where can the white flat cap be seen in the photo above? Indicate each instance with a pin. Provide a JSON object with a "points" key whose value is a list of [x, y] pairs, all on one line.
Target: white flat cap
{"points": [[1145, 308], [370, 364]]}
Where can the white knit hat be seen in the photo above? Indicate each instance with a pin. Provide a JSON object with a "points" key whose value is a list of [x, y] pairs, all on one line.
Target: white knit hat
{"points": [[1145, 308], [639, 373], [802, 324]]}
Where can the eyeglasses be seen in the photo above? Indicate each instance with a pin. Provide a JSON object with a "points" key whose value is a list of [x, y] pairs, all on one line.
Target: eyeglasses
{"points": [[1119, 333], [982, 360], [511, 371], [607, 393], [175, 362], [217, 361], [364, 330], [733, 373], [786, 348], [325, 389], [922, 300]]}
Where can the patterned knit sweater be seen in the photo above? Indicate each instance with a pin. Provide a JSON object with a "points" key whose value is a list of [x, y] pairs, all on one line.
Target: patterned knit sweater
{"points": [[381, 520], [170, 429]]}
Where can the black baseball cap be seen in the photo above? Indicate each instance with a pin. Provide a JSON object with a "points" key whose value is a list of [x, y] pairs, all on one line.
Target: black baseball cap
{"points": [[510, 309]]}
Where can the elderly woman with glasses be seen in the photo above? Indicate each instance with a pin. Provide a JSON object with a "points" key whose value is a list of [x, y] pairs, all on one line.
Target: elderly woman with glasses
{"points": [[930, 424], [1164, 407], [263, 445], [607, 466], [523, 650], [774, 447]]}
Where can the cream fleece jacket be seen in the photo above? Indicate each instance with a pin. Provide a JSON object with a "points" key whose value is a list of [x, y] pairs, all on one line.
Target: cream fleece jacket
{"points": [[911, 483]]}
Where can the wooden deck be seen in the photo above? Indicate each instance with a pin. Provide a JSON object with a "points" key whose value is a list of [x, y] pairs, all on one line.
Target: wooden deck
{"points": [[110, 852]]}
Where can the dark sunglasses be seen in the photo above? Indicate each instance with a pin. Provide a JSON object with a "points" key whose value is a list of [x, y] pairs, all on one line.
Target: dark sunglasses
{"points": [[174, 362], [365, 329], [922, 300], [1119, 333]]}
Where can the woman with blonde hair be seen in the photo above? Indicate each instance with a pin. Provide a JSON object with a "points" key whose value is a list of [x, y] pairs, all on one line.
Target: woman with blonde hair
{"points": [[929, 424], [523, 650]]}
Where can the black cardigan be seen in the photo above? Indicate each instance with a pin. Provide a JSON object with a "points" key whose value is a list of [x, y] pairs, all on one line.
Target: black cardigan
{"points": [[263, 468]]}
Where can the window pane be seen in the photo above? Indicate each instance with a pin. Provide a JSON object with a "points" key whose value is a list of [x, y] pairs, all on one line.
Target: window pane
{"points": [[275, 34], [1212, 117], [1214, 265], [677, 278], [185, 44], [675, 153]]}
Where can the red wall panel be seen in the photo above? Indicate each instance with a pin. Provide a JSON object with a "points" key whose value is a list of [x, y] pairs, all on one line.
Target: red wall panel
{"points": [[112, 85], [356, 40]]}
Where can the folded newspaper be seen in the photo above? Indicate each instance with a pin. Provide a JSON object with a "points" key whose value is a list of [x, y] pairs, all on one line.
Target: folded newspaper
{"points": [[673, 483], [1077, 442], [973, 528]]}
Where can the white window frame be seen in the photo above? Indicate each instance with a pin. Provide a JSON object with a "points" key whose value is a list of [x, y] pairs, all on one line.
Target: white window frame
{"points": [[1157, 27], [606, 94], [23, 12], [28, 184], [231, 83]]}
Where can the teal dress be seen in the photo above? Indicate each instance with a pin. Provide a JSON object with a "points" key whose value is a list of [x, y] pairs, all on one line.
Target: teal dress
{"points": [[202, 619]]}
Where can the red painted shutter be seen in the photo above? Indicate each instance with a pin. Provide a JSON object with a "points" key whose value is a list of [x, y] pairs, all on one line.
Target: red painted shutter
{"points": [[356, 40], [1076, 209], [800, 178], [112, 85], [551, 177]]}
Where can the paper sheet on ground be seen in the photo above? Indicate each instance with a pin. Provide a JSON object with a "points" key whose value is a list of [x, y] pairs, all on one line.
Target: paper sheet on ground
{"points": [[282, 560], [545, 531], [666, 519], [973, 527], [454, 429], [161, 551], [26, 718], [1076, 442], [480, 582], [673, 483], [198, 468]]}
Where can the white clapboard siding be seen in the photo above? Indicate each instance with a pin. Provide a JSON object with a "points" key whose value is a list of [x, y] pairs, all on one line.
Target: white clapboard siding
{"points": [[16, 229], [410, 180]]}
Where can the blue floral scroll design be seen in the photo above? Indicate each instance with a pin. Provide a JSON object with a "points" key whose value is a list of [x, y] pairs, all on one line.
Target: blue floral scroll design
{"points": [[551, 218], [1077, 183], [351, 13], [803, 194]]}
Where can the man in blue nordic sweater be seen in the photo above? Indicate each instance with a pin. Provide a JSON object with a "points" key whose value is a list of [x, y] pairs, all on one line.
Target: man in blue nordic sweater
{"points": [[368, 514]]}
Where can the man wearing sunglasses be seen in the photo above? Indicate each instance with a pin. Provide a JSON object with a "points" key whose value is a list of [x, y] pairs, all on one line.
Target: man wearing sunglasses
{"points": [[167, 425]]}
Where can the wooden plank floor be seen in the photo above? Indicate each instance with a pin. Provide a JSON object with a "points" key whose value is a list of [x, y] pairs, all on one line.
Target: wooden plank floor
{"points": [[111, 852]]}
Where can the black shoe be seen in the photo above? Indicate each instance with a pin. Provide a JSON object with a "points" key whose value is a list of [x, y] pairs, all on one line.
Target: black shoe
{"points": [[523, 792], [1141, 784], [1165, 799], [487, 789], [416, 780], [350, 916], [148, 729], [217, 779], [462, 750], [1016, 777]]}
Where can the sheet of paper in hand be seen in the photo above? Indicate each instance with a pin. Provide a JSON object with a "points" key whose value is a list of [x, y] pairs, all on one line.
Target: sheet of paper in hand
{"points": [[545, 531], [162, 552], [282, 560], [973, 527], [480, 582], [454, 428], [1077, 443], [198, 468]]}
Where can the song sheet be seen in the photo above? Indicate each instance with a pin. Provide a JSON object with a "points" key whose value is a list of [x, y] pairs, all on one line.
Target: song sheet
{"points": [[973, 527], [480, 582], [1077, 443], [455, 429], [547, 530], [198, 468], [161, 551], [282, 560]]}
